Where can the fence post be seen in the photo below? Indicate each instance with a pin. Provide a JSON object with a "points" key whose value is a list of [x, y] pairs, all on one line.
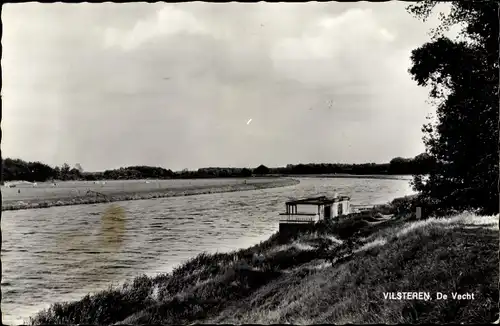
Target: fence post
{"points": [[419, 213]]}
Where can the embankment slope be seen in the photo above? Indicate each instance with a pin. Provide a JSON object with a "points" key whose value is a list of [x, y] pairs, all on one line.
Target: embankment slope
{"points": [[337, 274]]}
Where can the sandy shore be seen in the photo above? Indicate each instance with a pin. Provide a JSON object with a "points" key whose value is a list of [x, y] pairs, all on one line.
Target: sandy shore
{"points": [[120, 195]]}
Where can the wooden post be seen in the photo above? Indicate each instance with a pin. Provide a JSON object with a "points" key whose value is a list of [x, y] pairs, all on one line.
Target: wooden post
{"points": [[1, 181], [419, 213]]}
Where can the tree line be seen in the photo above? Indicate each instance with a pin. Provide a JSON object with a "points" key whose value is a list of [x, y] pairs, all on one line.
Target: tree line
{"points": [[17, 169]]}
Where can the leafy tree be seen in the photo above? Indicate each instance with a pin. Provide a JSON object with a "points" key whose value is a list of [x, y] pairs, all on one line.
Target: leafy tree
{"points": [[400, 165], [40, 171], [422, 164], [65, 171], [463, 78], [74, 174], [246, 172], [57, 173]]}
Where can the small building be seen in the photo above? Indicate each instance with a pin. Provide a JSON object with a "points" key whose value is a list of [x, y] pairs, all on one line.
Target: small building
{"points": [[312, 210], [316, 208]]}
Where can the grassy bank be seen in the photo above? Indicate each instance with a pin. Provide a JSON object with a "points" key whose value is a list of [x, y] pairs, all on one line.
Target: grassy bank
{"points": [[98, 196], [336, 274], [354, 176]]}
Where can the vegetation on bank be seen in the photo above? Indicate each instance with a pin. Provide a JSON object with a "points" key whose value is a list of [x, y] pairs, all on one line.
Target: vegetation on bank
{"points": [[335, 274], [17, 169], [94, 197]]}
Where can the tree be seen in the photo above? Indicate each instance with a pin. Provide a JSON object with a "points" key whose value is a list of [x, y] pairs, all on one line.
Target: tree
{"points": [[57, 173], [463, 77], [422, 164], [261, 169], [74, 174], [40, 171], [65, 171], [400, 165], [246, 173]]}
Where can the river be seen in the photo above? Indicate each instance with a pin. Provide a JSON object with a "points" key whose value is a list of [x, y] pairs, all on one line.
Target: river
{"points": [[62, 253]]}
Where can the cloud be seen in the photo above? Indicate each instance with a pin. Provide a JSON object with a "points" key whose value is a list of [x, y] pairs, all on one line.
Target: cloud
{"points": [[168, 21], [341, 48]]}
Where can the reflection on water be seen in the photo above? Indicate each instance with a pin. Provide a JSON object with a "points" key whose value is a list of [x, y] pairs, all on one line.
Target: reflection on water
{"points": [[109, 237], [62, 253], [112, 228]]}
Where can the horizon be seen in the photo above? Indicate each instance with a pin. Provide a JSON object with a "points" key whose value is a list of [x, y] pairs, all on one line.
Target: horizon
{"points": [[218, 85], [212, 167]]}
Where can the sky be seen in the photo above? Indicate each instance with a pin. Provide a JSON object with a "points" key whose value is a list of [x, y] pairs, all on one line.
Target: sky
{"points": [[175, 85]]}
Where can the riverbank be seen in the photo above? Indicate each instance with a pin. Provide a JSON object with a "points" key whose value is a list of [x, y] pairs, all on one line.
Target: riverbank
{"points": [[336, 274], [354, 176], [66, 197]]}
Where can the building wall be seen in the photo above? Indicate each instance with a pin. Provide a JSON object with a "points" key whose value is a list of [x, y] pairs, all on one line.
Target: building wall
{"points": [[313, 209], [335, 209], [309, 209], [345, 208]]}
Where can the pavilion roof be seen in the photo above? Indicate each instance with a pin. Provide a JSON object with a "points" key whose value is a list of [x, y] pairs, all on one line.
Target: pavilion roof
{"points": [[321, 200]]}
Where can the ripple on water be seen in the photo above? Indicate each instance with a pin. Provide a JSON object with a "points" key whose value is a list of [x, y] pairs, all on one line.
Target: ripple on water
{"points": [[62, 253]]}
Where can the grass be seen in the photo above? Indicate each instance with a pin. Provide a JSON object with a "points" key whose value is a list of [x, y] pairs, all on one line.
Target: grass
{"points": [[336, 274], [43, 197]]}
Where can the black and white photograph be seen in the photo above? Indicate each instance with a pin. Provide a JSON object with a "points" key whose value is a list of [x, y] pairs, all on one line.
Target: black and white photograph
{"points": [[250, 163]]}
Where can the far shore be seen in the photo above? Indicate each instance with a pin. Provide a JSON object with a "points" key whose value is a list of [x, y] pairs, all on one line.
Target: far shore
{"points": [[120, 195], [354, 176]]}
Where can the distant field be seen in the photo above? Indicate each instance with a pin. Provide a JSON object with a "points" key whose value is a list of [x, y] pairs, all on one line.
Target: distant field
{"points": [[84, 192]]}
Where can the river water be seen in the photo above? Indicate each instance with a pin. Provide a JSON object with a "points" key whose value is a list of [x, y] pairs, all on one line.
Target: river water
{"points": [[62, 253]]}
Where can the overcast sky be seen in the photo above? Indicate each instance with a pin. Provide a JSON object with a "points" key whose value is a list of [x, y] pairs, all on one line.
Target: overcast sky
{"points": [[174, 85]]}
